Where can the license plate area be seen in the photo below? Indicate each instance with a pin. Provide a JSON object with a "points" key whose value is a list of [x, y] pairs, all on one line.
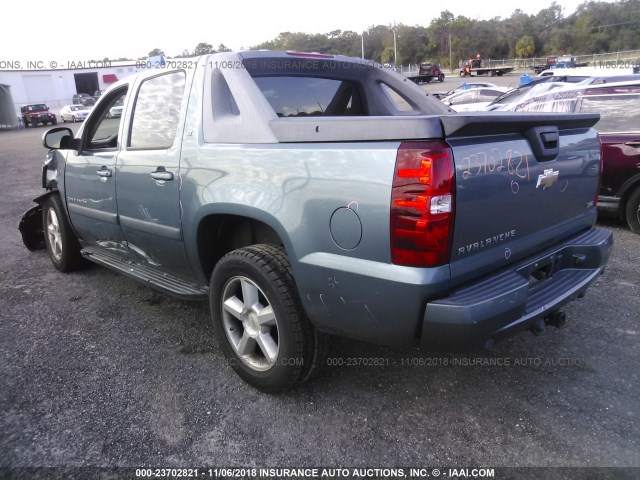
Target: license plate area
{"points": [[540, 270]]}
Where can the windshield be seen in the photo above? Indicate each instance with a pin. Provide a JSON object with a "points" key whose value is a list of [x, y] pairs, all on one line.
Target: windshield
{"points": [[78, 107], [36, 108]]}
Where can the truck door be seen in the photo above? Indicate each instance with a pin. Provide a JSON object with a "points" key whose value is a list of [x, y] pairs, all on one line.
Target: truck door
{"points": [[90, 182], [148, 174]]}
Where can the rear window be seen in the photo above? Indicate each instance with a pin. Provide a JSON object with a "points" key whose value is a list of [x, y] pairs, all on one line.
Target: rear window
{"points": [[618, 113], [559, 102], [298, 96]]}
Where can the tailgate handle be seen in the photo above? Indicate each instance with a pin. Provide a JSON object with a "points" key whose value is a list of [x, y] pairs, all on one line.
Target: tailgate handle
{"points": [[544, 142]]}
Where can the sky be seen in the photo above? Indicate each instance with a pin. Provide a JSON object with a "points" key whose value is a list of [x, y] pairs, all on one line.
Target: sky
{"points": [[80, 31]]}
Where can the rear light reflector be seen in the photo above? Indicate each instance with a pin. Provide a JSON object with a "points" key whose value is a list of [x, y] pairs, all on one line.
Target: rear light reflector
{"points": [[422, 204]]}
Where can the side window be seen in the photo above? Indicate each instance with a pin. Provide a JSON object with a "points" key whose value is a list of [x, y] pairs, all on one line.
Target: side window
{"points": [[618, 113], [103, 129], [157, 111], [488, 95], [467, 97]]}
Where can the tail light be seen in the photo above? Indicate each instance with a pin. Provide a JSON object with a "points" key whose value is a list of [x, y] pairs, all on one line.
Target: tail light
{"points": [[422, 204]]}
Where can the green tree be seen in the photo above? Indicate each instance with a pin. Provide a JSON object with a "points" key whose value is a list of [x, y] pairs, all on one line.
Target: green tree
{"points": [[223, 48], [387, 55], [155, 52], [525, 47], [203, 49]]}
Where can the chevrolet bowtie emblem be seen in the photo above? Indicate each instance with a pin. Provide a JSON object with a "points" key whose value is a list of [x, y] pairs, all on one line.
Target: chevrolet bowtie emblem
{"points": [[547, 179]]}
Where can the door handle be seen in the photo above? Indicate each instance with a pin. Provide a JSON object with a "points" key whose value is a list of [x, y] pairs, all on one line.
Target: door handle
{"points": [[635, 143], [162, 174], [104, 172]]}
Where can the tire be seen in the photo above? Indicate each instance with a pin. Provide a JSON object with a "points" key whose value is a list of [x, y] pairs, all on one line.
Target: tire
{"points": [[632, 211], [259, 321], [60, 240], [73, 118], [441, 77], [55, 121]]}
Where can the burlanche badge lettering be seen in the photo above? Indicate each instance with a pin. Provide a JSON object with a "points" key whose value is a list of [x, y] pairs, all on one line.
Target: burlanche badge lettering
{"points": [[547, 179]]}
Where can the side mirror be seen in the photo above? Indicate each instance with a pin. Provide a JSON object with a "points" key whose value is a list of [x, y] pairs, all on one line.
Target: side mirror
{"points": [[59, 138]]}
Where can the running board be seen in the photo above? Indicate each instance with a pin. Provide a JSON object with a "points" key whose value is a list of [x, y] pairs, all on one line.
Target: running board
{"points": [[165, 282]]}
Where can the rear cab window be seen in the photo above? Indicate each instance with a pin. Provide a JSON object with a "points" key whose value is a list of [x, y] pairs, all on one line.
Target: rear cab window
{"points": [[328, 86], [297, 96]]}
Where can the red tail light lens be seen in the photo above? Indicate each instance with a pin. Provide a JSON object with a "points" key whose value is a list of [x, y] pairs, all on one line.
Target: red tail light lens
{"points": [[422, 204]]}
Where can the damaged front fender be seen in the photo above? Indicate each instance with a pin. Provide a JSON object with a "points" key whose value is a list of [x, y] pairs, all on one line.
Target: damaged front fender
{"points": [[31, 225]]}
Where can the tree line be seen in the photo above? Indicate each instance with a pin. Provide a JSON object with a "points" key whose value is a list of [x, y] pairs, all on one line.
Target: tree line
{"points": [[595, 27]]}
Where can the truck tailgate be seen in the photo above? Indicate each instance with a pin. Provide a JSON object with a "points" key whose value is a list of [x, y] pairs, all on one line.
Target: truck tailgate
{"points": [[523, 183]]}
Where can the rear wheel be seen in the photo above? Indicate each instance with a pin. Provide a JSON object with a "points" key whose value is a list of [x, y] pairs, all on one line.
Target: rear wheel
{"points": [[73, 118], [61, 241], [441, 77], [259, 320], [632, 212]]}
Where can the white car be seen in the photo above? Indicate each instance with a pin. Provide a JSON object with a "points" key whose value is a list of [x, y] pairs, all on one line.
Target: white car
{"points": [[473, 99], [463, 86], [116, 110], [74, 113]]}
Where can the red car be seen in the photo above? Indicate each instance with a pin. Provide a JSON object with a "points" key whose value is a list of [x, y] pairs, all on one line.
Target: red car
{"points": [[619, 132]]}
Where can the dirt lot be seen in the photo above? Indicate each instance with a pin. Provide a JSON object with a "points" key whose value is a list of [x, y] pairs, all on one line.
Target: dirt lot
{"points": [[96, 370]]}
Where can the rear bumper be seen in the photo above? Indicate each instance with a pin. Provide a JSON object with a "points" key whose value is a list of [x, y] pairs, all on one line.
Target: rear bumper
{"points": [[503, 304]]}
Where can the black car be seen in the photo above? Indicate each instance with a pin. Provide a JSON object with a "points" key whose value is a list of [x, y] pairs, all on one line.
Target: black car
{"points": [[84, 99]]}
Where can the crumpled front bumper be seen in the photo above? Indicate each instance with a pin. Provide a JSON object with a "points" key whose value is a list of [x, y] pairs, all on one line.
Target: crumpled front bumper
{"points": [[31, 229]]}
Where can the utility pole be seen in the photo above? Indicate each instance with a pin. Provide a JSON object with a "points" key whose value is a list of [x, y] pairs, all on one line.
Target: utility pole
{"points": [[450, 65], [363, 45], [395, 49]]}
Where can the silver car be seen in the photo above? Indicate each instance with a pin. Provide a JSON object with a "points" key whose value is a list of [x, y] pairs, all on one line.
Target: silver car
{"points": [[74, 113]]}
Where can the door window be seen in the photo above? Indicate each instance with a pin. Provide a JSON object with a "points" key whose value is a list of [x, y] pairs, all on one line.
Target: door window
{"points": [[157, 112]]}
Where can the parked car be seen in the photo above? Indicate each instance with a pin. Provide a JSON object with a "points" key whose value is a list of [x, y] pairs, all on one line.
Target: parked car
{"points": [[464, 86], [84, 99], [97, 94], [116, 110], [73, 113], [542, 85], [299, 199], [619, 131], [37, 113], [473, 99]]}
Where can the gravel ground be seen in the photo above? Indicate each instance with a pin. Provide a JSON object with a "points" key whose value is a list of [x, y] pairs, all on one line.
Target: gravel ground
{"points": [[97, 370]]}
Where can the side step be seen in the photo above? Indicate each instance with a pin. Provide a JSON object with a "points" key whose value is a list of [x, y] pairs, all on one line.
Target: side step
{"points": [[165, 282]]}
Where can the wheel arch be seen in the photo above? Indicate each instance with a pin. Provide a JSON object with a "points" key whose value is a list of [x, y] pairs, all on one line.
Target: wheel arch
{"points": [[222, 230], [626, 190]]}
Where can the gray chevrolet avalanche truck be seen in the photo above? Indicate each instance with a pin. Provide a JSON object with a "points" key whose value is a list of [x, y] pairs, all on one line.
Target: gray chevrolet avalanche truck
{"points": [[307, 195]]}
